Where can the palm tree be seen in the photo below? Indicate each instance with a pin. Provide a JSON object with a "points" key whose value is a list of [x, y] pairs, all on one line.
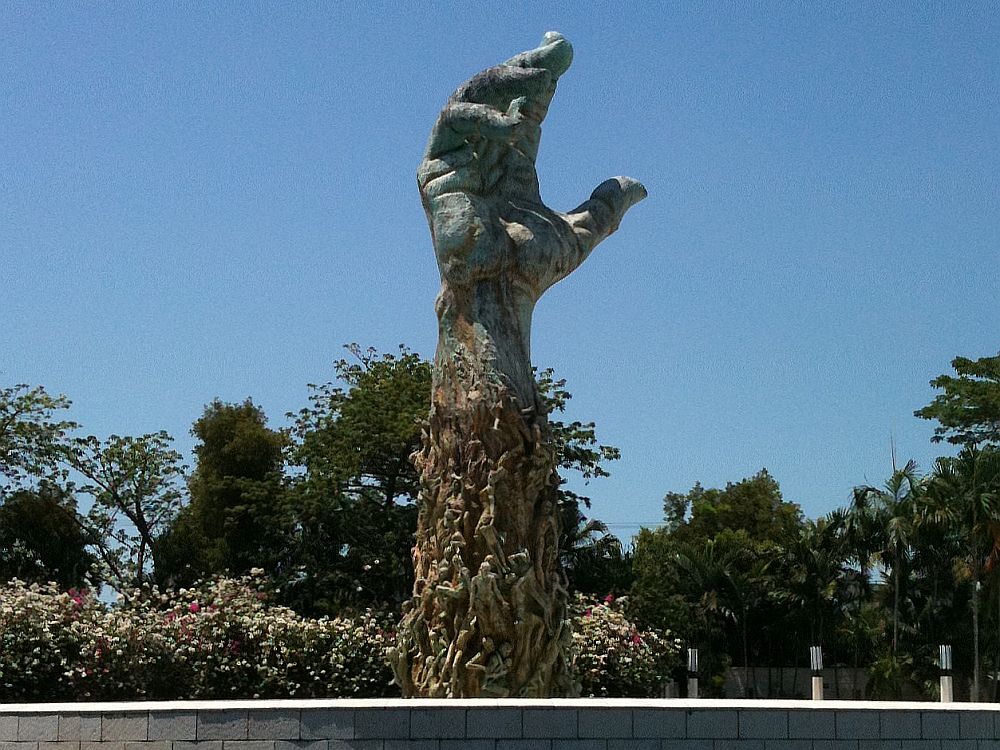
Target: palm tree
{"points": [[886, 518], [724, 573], [814, 564], [964, 494]]}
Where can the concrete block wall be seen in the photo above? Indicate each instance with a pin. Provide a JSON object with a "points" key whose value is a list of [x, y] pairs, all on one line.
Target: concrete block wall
{"points": [[500, 725]]}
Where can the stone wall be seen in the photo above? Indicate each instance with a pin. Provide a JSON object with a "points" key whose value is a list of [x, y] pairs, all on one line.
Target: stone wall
{"points": [[500, 725]]}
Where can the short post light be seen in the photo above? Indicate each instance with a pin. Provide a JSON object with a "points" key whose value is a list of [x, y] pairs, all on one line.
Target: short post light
{"points": [[692, 673], [944, 662], [816, 664]]}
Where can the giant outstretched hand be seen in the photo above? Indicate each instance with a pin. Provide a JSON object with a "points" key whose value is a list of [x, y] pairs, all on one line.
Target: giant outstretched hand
{"points": [[498, 246], [488, 616]]}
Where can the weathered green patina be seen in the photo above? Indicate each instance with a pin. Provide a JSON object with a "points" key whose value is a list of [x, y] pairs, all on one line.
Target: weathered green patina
{"points": [[488, 613]]}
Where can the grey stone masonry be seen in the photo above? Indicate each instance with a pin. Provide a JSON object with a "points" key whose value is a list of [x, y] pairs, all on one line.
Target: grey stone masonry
{"points": [[584, 724]]}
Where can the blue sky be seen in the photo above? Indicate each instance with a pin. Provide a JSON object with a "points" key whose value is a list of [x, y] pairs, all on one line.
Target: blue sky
{"points": [[208, 200]]}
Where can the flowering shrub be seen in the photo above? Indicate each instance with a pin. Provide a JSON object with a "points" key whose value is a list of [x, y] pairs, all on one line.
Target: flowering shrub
{"points": [[220, 639], [42, 634], [223, 639], [613, 657]]}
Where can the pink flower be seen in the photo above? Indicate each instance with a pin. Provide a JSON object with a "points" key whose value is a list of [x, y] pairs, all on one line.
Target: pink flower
{"points": [[589, 612], [194, 607], [609, 598], [636, 639]]}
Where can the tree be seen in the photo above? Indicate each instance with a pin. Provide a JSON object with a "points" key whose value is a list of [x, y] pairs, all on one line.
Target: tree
{"points": [[355, 484], [42, 538], [727, 572], [969, 409], [354, 487], [238, 518], [712, 572], [357, 438], [593, 558], [753, 505], [32, 438], [578, 452], [134, 479], [893, 516], [964, 492], [359, 433], [813, 565]]}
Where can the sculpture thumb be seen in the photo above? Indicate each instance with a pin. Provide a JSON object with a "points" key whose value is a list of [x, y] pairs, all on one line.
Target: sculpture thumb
{"points": [[619, 194], [609, 202]]}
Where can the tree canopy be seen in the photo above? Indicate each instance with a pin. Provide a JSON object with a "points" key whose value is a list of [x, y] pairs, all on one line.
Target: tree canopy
{"points": [[326, 509], [135, 479], [969, 408], [43, 538], [753, 505], [236, 518], [32, 436]]}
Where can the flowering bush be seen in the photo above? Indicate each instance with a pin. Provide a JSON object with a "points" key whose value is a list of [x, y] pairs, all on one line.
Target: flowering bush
{"points": [[223, 639], [220, 639], [613, 657], [42, 634]]}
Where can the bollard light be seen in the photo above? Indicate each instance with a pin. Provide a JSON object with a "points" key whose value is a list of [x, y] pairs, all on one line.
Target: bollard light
{"points": [[692, 673], [944, 663], [816, 664]]}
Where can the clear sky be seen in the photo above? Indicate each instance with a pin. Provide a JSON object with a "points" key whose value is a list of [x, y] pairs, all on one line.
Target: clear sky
{"points": [[204, 200]]}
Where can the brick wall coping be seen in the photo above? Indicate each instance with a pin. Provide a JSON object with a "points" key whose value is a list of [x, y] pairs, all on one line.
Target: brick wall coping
{"points": [[417, 703]]}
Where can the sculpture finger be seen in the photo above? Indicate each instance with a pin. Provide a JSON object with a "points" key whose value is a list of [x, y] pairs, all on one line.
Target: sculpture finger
{"points": [[500, 85], [460, 122], [599, 216], [554, 54]]}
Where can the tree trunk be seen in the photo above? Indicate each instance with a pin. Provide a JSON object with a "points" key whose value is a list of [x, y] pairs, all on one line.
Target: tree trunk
{"points": [[996, 658], [895, 605], [489, 607], [975, 641], [746, 654]]}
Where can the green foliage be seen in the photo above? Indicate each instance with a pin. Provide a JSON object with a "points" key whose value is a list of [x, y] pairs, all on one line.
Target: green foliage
{"points": [[237, 518], [42, 538], [888, 519], [357, 438], [739, 574], [354, 493], [594, 560], [969, 409], [32, 438], [591, 556], [577, 449], [348, 555], [963, 500], [353, 499], [890, 676], [753, 505], [704, 590], [130, 478]]}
